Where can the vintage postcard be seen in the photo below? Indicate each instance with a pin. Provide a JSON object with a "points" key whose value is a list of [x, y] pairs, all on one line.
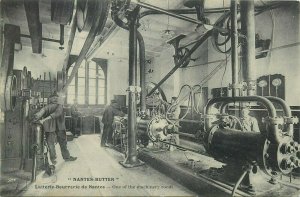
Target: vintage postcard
{"points": [[150, 98]]}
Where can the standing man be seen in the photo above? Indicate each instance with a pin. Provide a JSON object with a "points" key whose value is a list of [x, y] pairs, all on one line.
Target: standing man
{"points": [[110, 112], [53, 120], [248, 122], [75, 119]]}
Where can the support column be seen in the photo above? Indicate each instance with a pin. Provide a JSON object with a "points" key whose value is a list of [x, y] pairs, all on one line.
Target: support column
{"points": [[248, 49], [131, 156], [234, 47]]}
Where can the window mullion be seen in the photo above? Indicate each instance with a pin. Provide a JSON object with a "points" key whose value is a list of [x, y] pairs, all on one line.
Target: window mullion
{"points": [[97, 83], [87, 82]]}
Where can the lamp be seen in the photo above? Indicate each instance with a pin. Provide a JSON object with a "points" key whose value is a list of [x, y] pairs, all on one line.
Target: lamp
{"points": [[167, 33]]}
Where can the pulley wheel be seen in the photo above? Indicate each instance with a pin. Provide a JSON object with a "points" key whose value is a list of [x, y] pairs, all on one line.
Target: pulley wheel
{"points": [[155, 129], [10, 94], [62, 11], [86, 12]]}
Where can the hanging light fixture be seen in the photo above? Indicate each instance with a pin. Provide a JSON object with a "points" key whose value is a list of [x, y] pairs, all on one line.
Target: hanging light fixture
{"points": [[168, 33]]}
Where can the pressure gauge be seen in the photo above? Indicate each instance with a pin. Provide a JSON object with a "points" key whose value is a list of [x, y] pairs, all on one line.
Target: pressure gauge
{"points": [[276, 82], [262, 83]]}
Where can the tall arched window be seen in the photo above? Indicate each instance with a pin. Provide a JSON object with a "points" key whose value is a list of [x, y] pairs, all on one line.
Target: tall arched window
{"points": [[89, 84]]}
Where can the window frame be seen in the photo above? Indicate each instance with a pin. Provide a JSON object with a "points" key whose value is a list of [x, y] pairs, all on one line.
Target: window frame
{"points": [[100, 64]]}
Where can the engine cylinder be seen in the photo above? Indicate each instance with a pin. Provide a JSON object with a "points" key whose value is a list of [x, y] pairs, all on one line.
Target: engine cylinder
{"points": [[230, 145]]}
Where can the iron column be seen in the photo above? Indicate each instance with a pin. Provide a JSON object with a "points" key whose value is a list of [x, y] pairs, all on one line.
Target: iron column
{"points": [[131, 157], [248, 49], [234, 46]]}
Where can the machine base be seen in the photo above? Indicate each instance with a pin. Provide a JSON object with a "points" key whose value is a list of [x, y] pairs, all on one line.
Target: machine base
{"points": [[127, 165], [207, 176]]}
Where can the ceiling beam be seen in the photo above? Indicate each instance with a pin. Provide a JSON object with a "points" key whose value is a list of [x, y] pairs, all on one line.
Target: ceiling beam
{"points": [[34, 25]]}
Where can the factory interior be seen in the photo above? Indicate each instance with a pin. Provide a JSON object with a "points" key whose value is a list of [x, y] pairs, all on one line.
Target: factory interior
{"points": [[150, 98]]}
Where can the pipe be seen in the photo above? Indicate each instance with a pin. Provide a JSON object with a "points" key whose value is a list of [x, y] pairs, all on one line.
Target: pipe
{"points": [[182, 60], [185, 134], [270, 107], [131, 157], [239, 181], [37, 149], [248, 49], [50, 82], [258, 9], [181, 147], [183, 11], [142, 57], [182, 17], [142, 71], [87, 44], [273, 127], [286, 109], [166, 12], [234, 46], [223, 107], [45, 39]]}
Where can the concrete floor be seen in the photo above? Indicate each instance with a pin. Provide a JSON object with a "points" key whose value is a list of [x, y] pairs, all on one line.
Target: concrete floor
{"points": [[94, 162]]}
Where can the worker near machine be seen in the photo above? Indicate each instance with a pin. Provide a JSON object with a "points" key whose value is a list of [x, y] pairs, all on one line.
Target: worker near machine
{"points": [[53, 120], [248, 123], [75, 119], [110, 112]]}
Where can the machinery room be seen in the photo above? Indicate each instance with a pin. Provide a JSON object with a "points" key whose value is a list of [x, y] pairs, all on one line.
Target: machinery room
{"points": [[150, 98]]}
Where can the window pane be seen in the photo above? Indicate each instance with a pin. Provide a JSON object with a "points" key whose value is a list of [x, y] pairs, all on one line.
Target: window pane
{"points": [[71, 89], [100, 73], [92, 83], [92, 100], [80, 99], [81, 89], [92, 91], [101, 100], [92, 70], [81, 70], [71, 94], [101, 91], [81, 81], [101, 83], [70, 98], [73, 82]]}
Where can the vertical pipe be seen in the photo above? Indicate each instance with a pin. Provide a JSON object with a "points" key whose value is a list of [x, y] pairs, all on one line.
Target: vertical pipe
{"points": [[86, 97], [142, 71], [44, 89], [131, 158], [76, 87], [234, 46], [248, 49]]}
